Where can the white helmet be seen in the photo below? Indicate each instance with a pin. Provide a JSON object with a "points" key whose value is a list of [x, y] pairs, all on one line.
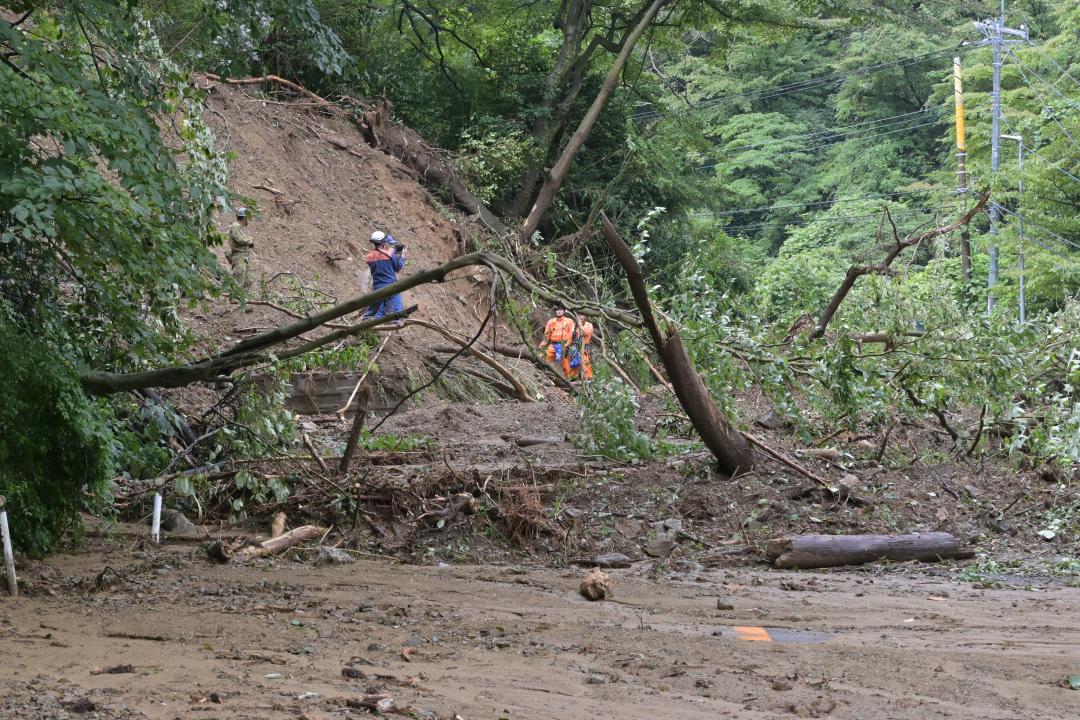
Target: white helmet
{"points": [[378, 236]]}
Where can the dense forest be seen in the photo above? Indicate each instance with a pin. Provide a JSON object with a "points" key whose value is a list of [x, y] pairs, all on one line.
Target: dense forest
{"points": [[753, 153]]}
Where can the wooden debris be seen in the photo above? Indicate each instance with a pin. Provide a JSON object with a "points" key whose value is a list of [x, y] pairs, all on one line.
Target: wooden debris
{"points": [[815, 551], [377, 702], [279, 544], [315, 454], [277, 525], [530, 441], [606, 560], [825, 453]]}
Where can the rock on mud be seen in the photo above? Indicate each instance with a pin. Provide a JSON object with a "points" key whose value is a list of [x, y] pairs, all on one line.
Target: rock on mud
{"points": [[596, 585]]}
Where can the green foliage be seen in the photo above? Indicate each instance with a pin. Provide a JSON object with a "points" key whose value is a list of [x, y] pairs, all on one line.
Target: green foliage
{"points": [[252, 37], [103, 229], [608, 406], [391, 442], [55, 454], [262, 425], [495, 155], [246, 490]]}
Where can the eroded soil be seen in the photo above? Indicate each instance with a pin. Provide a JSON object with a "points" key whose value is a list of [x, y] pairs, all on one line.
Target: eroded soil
{"points": [[271, 640]]}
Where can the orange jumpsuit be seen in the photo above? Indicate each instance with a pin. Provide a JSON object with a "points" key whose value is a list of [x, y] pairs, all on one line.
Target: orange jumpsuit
{"points": [[586, 332], [558, 330]]}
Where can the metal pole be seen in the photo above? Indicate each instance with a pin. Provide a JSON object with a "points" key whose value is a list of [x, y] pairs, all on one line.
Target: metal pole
{"points": [[155, 525], [961, 167], [1020, 217], [995, 158], [1020, 221]]}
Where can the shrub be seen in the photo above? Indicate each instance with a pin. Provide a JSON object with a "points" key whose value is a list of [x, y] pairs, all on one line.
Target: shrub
{"points": [[54, 449]]}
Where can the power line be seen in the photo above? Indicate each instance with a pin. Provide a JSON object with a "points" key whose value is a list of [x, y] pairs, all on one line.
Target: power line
{"points": [[1046, 108], [1020, 66], [1033, 151], [901, 213], [1032, 223], [812, 83], [714, 163], [1063, 70], [892, 120], [827, 202], [1054, 251]]}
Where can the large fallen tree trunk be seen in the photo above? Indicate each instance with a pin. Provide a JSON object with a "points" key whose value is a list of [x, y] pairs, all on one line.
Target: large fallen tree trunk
{"points": [[818, 551], [279, 544], [253, 350], [728, 446]]}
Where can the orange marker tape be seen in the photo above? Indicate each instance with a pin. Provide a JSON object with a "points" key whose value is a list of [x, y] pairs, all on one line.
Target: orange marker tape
{"points": [[752, 634]]}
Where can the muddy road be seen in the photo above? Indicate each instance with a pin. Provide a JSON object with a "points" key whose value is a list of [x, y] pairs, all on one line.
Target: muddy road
{"points": [[272, 640]]}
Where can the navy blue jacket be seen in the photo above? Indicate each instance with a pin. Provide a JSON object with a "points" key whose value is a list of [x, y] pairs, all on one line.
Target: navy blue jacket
{"points": [[384, 267]]}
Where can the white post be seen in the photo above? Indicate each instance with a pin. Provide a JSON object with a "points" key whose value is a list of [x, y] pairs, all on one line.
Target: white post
{"points": [[9, 556], [155, 528]]}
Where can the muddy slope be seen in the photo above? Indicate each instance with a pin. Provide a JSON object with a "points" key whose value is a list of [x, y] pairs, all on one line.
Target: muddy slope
{"points": [[318, 191]]}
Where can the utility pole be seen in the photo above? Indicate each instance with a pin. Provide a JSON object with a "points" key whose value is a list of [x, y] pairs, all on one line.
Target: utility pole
{"points": [[994, 31], [961, 169], [1020, 218]]}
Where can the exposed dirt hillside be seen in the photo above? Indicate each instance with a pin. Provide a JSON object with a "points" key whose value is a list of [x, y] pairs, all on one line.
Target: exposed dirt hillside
{"points": [[318, 191]]}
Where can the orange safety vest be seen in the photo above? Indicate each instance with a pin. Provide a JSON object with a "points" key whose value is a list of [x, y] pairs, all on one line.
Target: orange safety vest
{"points": [[559, 329], [586, 333]]}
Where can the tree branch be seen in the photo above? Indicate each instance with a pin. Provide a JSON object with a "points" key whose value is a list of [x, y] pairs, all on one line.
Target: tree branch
{"points": [[857, 271]]}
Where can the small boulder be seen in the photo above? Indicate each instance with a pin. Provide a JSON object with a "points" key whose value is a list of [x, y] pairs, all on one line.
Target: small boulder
{"points": [[332, 556], [596, 585]]}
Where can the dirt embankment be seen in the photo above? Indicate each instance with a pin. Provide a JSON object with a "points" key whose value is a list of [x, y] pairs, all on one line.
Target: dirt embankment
{"points": [[318, 191]]}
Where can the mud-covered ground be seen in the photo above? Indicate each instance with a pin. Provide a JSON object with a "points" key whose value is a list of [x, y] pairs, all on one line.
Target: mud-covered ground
{"points": [[271, 640]]}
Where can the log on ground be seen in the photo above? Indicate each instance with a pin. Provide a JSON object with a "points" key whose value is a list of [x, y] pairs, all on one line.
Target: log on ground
{"points": [[280, 544], [817, 551]]}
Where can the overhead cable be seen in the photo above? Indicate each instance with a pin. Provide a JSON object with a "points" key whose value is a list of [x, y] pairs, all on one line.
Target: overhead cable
{"points": [[828, 202], [812, 83]]}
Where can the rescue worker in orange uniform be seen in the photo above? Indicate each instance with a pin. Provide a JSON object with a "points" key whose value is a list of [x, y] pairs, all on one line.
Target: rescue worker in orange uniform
{"points": [[558, 334], [583, 333]]}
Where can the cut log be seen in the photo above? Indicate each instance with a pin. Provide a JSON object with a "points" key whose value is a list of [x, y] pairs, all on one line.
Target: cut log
{"points": [[273, 546], [817, 551]]}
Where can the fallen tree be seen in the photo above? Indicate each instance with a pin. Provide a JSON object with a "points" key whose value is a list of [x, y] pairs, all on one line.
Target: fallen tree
{"points": [[518, 390], [818, 551], [254, 350], [728, 446]]}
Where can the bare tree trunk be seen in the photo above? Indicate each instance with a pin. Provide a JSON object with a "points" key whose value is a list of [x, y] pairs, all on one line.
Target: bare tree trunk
{"points": [[558, 173], [362, 402], [728, 446]]}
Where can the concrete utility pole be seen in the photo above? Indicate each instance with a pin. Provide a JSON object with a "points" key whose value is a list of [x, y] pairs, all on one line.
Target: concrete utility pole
{"points": [[995, 32], [961, 168], [1020, 218]]}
